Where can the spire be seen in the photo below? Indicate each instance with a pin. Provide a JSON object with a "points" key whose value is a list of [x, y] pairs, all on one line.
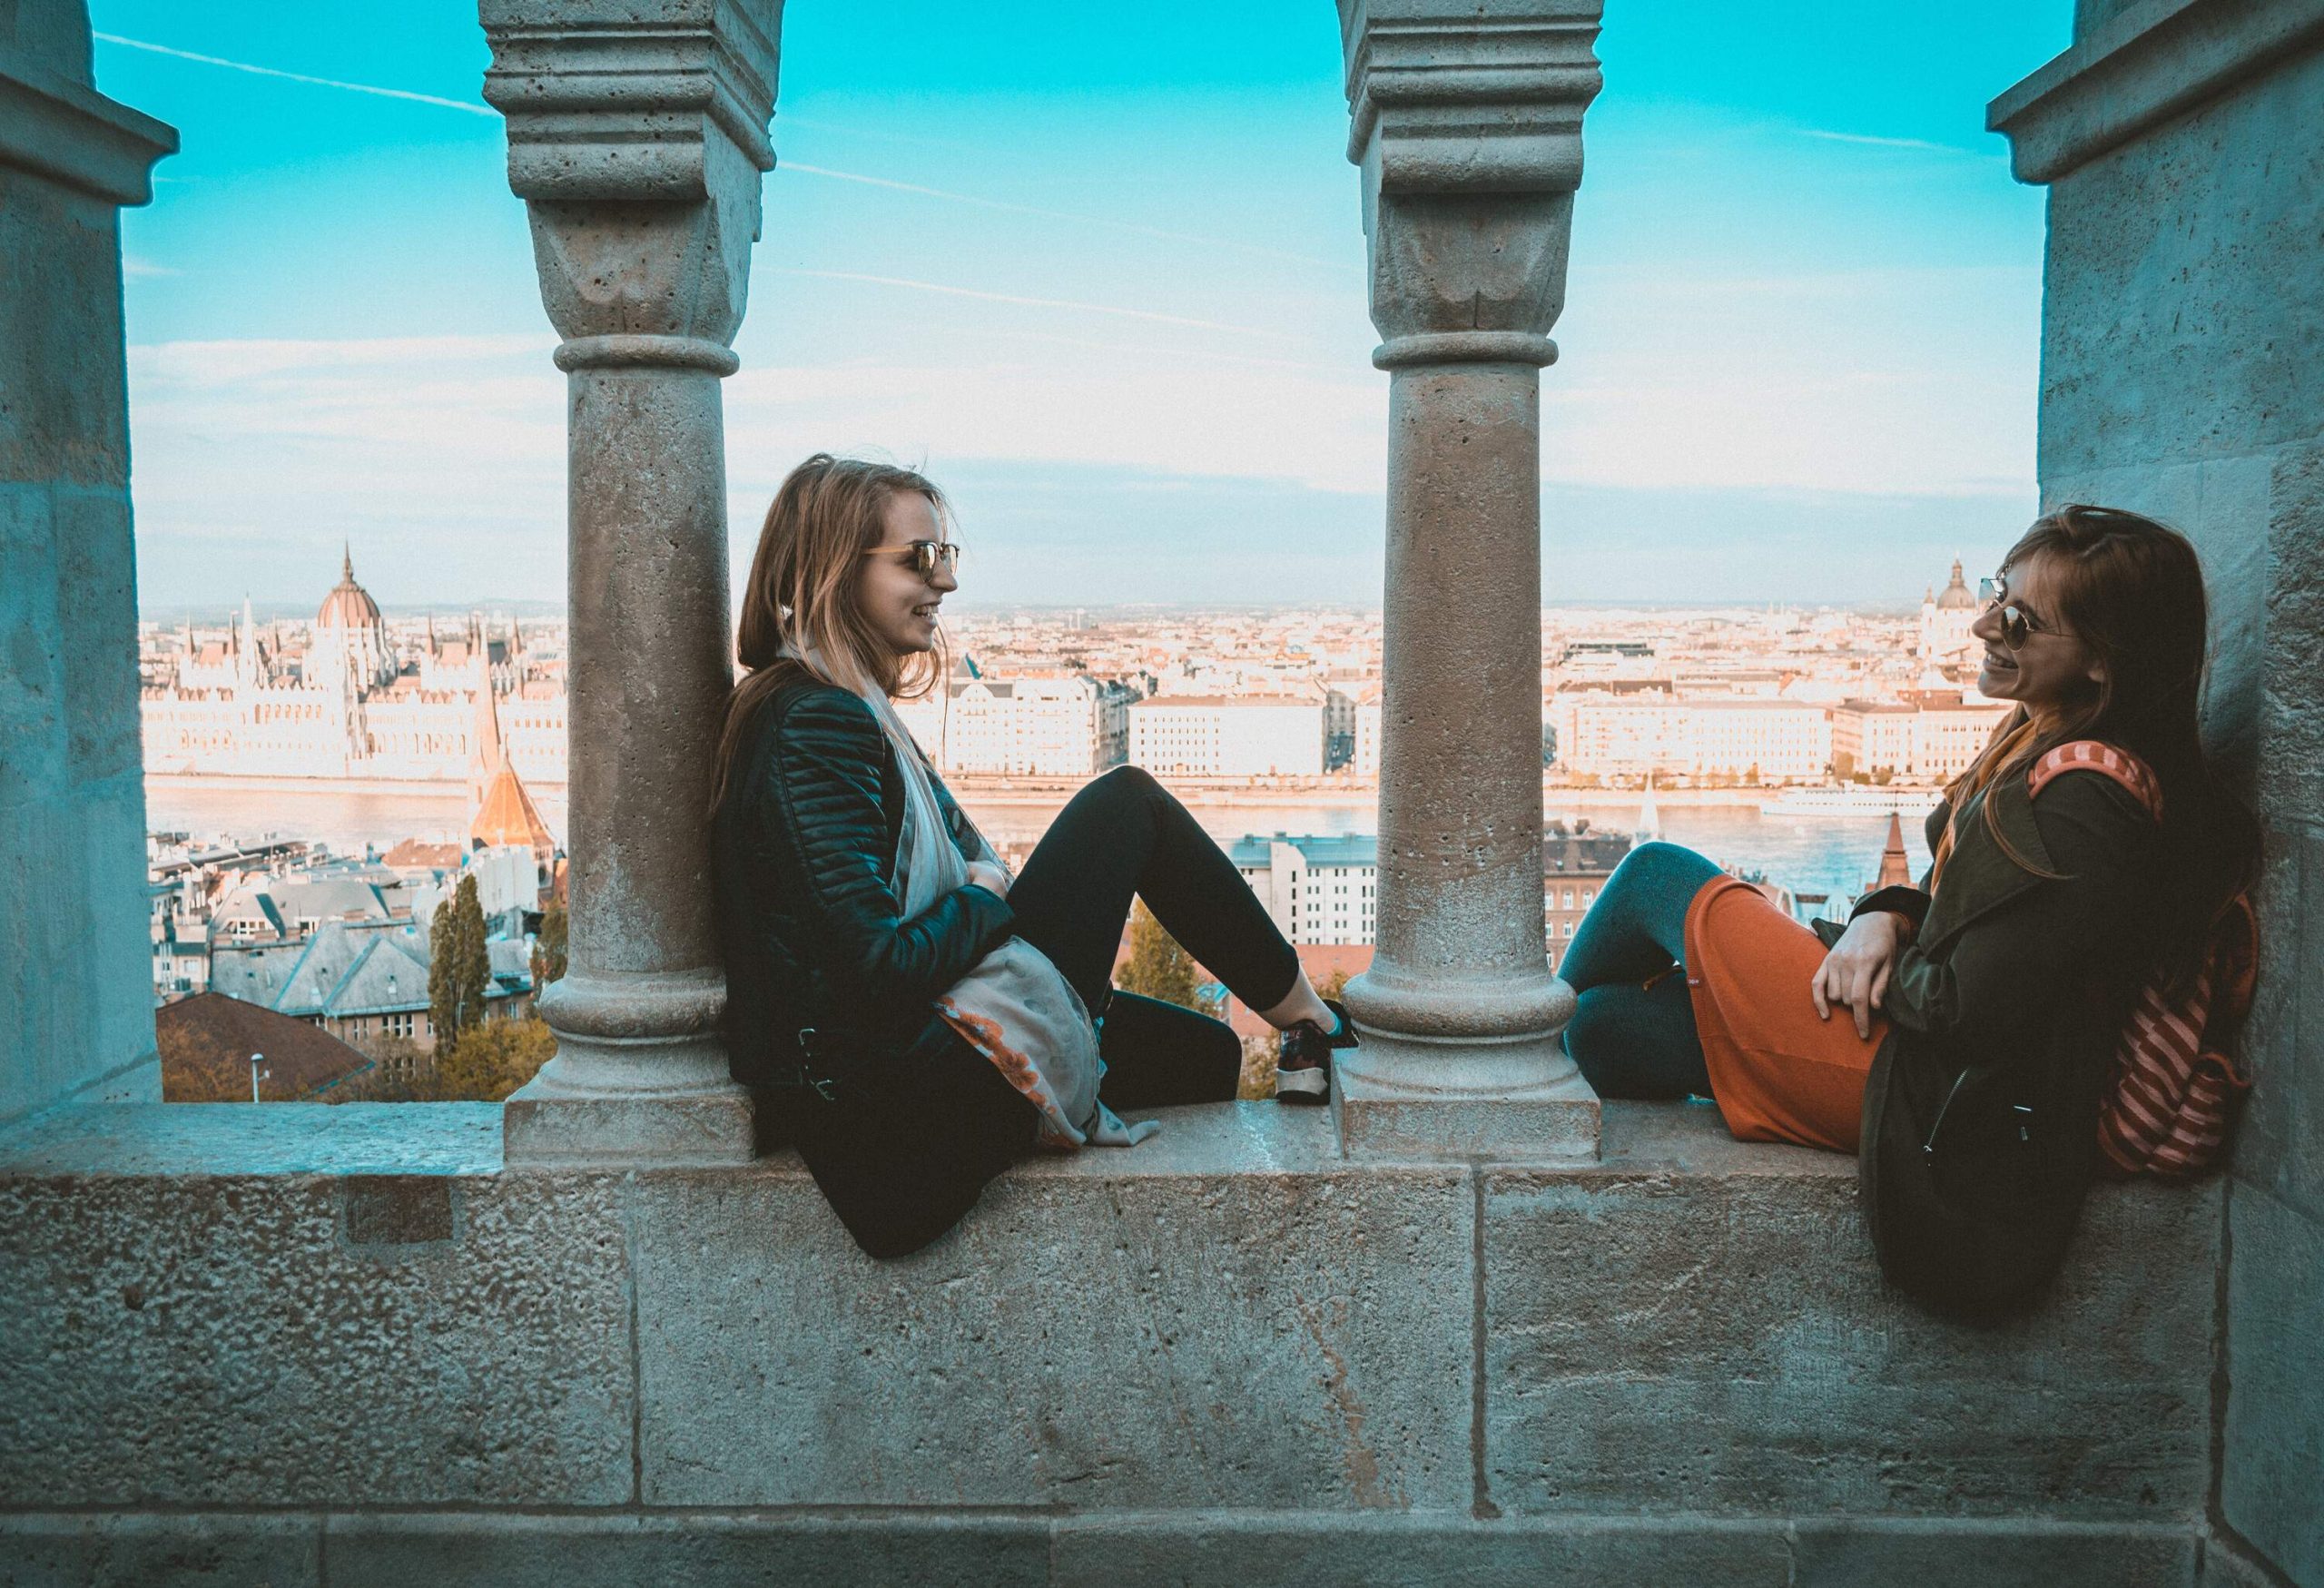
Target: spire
{"points": [[1896, 871], [347, 562], [1649, 819], [489, 757]]}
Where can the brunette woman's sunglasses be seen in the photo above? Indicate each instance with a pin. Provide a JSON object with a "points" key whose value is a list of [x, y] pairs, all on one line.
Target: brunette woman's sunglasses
{"points": [[923, 557], [2016, 629]]}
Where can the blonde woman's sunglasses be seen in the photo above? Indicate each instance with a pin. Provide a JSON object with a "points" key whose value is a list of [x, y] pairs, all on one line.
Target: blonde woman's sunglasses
{"points": [[923, 557]]}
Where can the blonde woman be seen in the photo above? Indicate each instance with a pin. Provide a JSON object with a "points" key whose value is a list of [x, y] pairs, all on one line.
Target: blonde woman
{"points": [[914, 1018]]}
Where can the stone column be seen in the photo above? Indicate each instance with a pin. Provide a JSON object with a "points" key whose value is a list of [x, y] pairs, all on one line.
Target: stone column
{"points": [[637, 134], [76, 986], [1467, 125]]}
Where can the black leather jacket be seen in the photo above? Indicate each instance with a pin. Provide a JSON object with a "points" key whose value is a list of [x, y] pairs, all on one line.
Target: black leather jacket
{"points": [[1980, 1114], [805, 850], [904, 1122]]}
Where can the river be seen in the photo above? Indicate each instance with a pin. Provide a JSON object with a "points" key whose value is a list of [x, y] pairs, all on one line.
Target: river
{"points": [[1836, 854]]}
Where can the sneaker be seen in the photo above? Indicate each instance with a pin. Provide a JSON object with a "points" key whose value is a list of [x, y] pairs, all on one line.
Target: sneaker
{"points": [[1304, 1068]]}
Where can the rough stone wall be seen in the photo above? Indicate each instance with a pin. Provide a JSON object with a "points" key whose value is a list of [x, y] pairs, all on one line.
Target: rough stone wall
{"points": [[2184, 376], [297, 1344], [74, 982]]}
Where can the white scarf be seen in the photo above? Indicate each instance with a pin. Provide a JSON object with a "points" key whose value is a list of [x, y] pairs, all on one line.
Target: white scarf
{"points": [[1014, 1006]]}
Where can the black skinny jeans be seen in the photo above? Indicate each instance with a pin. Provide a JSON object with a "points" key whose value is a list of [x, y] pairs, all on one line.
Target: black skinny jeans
{"points": [[1125, 835]]}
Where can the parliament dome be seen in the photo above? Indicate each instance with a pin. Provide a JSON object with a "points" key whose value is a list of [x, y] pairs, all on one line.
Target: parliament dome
{"points": [[349, 605]]}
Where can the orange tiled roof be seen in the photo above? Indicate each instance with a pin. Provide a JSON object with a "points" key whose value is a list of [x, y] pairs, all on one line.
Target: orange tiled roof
{"points": [[506, 814]]}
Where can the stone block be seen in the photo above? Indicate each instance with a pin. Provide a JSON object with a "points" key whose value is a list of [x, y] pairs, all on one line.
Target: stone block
{"points": [[2291, 711], [237, 1140], [195, 1551], [2031, 1553], [473, 1549], [2226, 1563], [2280, 1139], [1227, 1316], [2174, 323], [1669, 1342], [1230, 1550], [32, 644], [238, 1341], [569, 1132], [96, 571], [2272, 1435], [61, 360]]}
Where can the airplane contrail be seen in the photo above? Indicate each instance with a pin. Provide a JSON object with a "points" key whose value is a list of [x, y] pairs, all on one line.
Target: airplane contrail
{"points": [[824, 172], [1877, 143], [477, 110]]}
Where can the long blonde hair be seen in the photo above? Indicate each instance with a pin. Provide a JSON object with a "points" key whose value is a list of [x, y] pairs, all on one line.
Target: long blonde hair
{"points": [[801, 608]]}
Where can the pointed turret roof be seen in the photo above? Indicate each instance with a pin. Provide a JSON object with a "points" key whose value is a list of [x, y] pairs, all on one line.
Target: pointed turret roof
{"points": [[505, 812], [507, 815], [488, 754], [1896, 869]]}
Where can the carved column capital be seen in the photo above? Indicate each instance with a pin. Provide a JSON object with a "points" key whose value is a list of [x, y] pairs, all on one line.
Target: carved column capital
{"points": [[637, 134], [1466, 121]]}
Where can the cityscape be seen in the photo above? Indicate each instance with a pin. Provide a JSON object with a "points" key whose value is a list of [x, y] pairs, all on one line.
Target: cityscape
{"points": [[318, 787]]}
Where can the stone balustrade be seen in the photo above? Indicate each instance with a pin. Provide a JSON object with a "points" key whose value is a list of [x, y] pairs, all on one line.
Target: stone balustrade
{"points": [[1474, 1327], [299, 1342]]}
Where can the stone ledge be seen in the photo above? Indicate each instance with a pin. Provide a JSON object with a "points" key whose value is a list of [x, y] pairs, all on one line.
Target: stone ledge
{"points": [[714, 1549], [265, 1139], [2155, 60], [358, 1310], [70, 133]]}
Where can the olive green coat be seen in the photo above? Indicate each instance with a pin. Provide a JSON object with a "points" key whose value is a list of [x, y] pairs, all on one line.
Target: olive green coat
{"points": [[1980, 1114]]}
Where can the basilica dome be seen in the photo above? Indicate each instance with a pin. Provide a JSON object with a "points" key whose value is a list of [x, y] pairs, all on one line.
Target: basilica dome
{"points": [[1955, 596], [349, 605]]}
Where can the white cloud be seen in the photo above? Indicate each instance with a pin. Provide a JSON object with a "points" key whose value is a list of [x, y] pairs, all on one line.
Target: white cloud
{"points": [[1901, 383]]}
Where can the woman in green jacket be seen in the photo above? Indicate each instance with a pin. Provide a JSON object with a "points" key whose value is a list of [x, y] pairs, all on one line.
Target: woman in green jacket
{"points": [[1956, 1035]]}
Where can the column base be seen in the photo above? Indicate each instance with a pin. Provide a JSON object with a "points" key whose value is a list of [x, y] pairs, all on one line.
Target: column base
{"points": [[639, 1078], [627, 1132], [1401, 1099]]}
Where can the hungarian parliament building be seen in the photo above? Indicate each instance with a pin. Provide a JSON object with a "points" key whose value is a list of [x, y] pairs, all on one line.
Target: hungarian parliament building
{"points": [[347, 703]]}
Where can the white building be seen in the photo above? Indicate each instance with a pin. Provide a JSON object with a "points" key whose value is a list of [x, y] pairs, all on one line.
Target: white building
{"points": [[1366, 760], [1316, 890], [1933, 739], [1068, 726], [346, 706], [1242, 736], [1945, 617], [1613, 735]]}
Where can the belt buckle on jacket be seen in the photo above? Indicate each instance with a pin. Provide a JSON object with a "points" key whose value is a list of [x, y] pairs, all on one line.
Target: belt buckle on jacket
{"points": [[820, 1085]]}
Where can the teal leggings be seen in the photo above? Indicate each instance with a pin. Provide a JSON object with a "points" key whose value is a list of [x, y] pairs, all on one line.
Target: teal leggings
{"points": [[1633, 1035]]}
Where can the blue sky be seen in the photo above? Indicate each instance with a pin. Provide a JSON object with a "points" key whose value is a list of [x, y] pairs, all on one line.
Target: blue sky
{"points": [[1124, 322]]}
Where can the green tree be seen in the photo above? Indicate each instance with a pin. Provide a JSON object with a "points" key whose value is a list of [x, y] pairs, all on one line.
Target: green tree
{"points": [[1157, 966], [549, 948], [459, 967], [488, 1062]]}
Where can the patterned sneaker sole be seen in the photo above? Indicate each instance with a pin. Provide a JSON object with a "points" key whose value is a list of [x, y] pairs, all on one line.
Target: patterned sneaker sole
{"points": [[1313, 1085]]}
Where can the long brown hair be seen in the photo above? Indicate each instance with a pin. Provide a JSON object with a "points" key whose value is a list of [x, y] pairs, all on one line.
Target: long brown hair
{"points": [[802, 594], [2131, 591]]}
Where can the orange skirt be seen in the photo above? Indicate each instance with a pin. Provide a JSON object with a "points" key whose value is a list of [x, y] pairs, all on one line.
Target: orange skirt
{"points": [[1777, 1073]]}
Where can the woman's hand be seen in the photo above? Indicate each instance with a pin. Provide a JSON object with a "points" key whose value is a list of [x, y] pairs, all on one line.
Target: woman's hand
{"points": [[1856, 972], [985, 874]]}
